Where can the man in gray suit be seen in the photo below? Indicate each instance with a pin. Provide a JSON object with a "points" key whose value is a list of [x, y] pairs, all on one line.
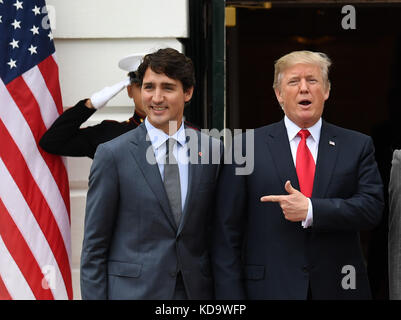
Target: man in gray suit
{"points": [[394, 232], [149, 200]]}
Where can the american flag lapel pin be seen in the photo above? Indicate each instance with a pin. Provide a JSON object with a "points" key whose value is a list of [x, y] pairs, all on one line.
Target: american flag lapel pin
{"points": [[332, 143]]}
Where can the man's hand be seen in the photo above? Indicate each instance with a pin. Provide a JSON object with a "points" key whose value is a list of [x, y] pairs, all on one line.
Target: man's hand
{"points": [[294, 205]]}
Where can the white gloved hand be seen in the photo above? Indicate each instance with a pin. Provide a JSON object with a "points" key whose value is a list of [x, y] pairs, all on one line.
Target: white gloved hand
{"points": [[100, 98]]}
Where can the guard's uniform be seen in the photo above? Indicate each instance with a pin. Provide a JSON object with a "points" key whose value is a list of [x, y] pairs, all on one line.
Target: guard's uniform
{"points": [[66, 138]]}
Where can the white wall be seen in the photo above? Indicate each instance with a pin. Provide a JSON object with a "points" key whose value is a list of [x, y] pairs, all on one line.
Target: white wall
{"points": [[91, 36]]}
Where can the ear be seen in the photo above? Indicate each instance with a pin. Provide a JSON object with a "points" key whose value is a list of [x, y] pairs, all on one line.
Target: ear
{"points": [[130, 91], [279, 96], [188, 94], [327, 94]]}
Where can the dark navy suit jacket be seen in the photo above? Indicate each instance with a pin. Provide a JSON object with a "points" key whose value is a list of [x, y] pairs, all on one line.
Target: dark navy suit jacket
{"points": [[258, 254]]}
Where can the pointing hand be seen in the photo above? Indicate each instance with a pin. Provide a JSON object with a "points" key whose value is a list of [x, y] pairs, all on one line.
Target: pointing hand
{"points": [[294, 205]]}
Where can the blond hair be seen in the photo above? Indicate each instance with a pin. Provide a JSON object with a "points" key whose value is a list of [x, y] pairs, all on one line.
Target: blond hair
{"points": [[308, 57]]}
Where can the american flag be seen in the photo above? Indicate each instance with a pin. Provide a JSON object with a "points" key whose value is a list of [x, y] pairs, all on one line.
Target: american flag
{"points": [[35, 237]]}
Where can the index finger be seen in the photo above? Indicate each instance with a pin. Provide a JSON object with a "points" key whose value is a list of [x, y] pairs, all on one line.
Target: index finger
{"points": [[272, 198]]}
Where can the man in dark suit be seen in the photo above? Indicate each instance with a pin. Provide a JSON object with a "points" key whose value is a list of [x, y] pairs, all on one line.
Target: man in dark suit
{"points": [[150, 200], [290, 229]]}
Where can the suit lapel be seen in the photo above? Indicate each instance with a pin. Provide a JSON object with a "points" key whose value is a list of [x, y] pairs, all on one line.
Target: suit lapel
{"points": [[326, 159], [194, 175], [140, 149], [279, 146], [278, 143]]}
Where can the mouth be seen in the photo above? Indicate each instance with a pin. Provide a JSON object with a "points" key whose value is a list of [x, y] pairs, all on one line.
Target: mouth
{"points": [[158, 108], [305, 102]]}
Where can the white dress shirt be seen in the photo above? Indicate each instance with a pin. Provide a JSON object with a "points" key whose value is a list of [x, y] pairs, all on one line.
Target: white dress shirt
{"points": [[158, 139], [313, 144]]}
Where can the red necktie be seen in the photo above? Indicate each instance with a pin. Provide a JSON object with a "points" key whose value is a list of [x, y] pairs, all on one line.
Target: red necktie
{"points": [[305, 165]]}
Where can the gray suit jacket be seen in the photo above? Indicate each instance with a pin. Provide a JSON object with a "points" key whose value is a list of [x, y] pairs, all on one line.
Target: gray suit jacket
{"points": [[394, 234], [132, 248]]}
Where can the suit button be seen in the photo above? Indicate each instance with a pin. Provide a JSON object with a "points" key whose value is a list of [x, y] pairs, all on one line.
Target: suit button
{"points": [[305, 269], [173, 274]]}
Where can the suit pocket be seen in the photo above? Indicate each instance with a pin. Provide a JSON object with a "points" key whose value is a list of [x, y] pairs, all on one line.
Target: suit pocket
{"points": [[124, 269], [254, 272]]}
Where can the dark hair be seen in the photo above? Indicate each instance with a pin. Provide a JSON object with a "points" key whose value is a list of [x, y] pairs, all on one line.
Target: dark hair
{"points": [[172, 63], [133, 76]]}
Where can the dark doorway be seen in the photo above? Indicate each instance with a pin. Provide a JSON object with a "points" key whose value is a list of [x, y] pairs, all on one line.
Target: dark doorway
{"points": [[205, 46], [365, 78]]}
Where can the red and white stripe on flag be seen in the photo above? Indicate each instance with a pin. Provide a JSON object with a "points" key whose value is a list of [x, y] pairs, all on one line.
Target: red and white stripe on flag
{"points": [[35, 225]]}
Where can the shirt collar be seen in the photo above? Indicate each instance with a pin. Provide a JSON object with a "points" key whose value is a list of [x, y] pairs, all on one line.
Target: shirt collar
{"points": [[158, 137], [293, 129]]}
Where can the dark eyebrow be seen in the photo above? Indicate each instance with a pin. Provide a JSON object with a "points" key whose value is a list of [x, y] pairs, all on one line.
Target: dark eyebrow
{"points": [[164, 84], [169, 84]]}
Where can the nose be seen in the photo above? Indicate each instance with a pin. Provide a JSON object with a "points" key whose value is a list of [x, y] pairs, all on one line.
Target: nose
{"points": [[158, 96], [303, 86]]}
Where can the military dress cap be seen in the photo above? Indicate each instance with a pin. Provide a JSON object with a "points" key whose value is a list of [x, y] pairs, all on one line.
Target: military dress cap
{"points": [[131, 63]]}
